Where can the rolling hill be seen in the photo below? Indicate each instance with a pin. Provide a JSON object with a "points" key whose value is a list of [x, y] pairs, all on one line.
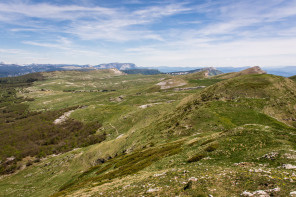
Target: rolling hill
{"points": [[227, 135], [252, 70]]}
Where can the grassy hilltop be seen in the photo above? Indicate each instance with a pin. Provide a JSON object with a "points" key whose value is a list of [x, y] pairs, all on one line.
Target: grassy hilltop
{"points": [[141, 135]]}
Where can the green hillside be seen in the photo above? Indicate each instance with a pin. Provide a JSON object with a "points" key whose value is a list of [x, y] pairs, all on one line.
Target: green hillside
{"points": [[164, 136], [293, 77]]}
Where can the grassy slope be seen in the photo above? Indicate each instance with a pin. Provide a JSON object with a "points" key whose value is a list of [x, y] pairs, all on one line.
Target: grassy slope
{"points": [[203, 136], [116, 116], [252, 70], [42, 137]]}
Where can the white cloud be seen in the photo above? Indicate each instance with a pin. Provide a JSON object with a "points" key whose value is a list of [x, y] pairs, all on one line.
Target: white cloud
{"points": [[61, 43], [239, 18], [16, 56], [89, 23], [49, 11], [160, 11], [14, 51], [125, 26], [50, 45], [237, 53], [66, 47], [231, 32]]}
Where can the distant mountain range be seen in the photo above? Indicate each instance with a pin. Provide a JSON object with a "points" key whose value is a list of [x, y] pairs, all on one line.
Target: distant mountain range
{"points": [[119, 66], [211, 71], [9, 70], [285, 71], [143, 71]]}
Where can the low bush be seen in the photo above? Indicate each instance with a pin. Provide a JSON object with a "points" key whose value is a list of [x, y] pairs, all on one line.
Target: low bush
{"points": [[212, 147], [197, 157]]}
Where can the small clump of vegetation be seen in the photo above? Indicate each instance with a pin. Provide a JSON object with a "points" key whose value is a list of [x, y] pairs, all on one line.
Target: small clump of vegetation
{"points": [[197, 157], [212, 147]]}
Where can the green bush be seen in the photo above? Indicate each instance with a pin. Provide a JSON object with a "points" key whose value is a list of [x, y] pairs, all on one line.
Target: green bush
{"points": [[212, 147], [196, 157]]}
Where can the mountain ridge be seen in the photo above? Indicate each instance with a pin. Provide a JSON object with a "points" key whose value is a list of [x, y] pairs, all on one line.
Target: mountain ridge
{"points": [[211, 71], [119, 66], [9, 70], [161, 142], [252, 70]]}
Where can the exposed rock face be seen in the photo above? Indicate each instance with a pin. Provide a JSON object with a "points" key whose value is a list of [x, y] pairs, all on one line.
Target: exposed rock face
{"points": [[119, 66], [63, 118], [206, 74], [117, 72], [170, 83]]}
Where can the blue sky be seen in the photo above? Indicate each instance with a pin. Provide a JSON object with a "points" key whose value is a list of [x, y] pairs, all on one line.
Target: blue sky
{"points": [[149, 33]]}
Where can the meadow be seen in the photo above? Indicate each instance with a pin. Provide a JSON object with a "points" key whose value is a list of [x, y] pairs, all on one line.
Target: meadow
{"points": [[233, 137]]}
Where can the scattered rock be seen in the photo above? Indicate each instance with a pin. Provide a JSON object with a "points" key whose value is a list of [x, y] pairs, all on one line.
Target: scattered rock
{"points": [[261, 193], [189, 88], [120, 98], [161, 174], [293, 194], [258, 170], [167, 84], [10, 159], [270, 156], [192, 179], [246, 193], [117, 99], [151, 190], [244, 164], [277, 189], [148, 105], [290, 156], [289, 166]]}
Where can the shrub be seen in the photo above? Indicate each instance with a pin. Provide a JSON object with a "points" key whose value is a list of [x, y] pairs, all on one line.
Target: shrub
{"points": [[212, 147], [196, 157]]}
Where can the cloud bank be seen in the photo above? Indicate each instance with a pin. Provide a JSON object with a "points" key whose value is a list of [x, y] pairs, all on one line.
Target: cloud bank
{"points": [[154, 33]]}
